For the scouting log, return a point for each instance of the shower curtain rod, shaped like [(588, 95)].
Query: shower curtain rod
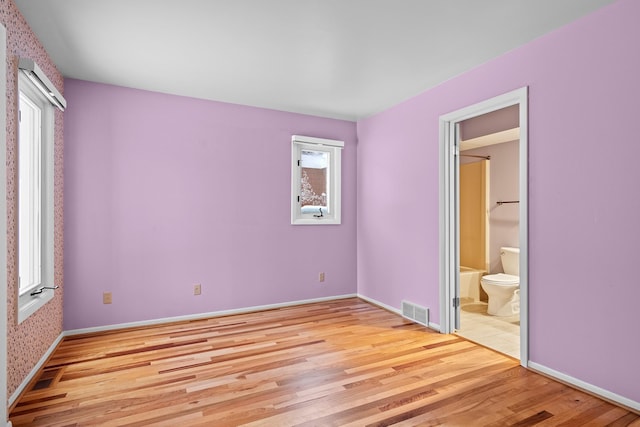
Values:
[(477, 157)]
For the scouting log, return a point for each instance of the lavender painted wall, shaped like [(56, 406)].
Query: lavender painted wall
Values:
[(583, 197), (162, 192)]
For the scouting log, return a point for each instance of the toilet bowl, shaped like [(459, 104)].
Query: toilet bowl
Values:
[(503, 289), (503, 292)]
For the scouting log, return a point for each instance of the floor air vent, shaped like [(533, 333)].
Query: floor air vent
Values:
[(416, 313)]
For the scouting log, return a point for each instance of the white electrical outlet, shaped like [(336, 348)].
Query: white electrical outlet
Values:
[(321, 277), (197, 289)]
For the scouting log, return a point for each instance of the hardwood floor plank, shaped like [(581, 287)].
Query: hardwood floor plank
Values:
[(625, 420), (533, 419), (337, 363)]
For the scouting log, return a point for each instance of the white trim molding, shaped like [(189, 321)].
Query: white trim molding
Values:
[(203, 315), (584, 386), (448, 216), (381, 304), (32, 299), (434, 326), (330, 150), (3, 227), (42, 82)]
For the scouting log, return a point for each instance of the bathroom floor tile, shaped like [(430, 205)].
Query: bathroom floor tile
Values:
[(499, 333)]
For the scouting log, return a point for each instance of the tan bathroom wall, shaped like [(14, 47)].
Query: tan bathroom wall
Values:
[(503, 220), (474, 179)]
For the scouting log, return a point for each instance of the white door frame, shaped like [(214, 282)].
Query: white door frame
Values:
[(448, 223), (3, 226)]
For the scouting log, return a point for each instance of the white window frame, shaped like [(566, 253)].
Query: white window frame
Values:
[(29, 303), (334, 148)]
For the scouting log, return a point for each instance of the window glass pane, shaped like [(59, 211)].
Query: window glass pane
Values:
[(314, 177), (29, 194)]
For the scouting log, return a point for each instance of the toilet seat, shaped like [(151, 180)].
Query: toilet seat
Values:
[(500, 279)]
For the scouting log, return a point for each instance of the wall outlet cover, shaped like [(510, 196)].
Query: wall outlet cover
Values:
[(107, 298)]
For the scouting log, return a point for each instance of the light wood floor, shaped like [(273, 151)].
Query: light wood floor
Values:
[(341, 363)]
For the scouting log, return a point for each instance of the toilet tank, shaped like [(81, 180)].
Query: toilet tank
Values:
[(510, 258)]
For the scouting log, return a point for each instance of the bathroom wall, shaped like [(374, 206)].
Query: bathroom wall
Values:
[(163, 192), (489, 123), (474, 182), (28, 342), (583, 233), (503, 186)]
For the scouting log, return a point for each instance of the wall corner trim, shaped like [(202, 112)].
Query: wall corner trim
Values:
[(584, 386)]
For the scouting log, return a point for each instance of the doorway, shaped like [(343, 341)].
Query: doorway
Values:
[(489, 225), (451, 149)]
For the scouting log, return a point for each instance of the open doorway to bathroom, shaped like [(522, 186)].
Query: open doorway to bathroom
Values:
[(488, 229), (483, 212)]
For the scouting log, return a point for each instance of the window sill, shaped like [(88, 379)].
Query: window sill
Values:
[(316, 221), (30, 304)]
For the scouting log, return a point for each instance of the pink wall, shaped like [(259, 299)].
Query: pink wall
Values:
[(162, 192), (583, 195), (28, 341)]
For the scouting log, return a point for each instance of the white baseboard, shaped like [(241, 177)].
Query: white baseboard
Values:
[(434, 326), (202, 315), (34, 371), (598, 391), (381, 304)]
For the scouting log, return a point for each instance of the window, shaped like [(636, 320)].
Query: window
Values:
[(35, 197), (315, 180), (30, 193)]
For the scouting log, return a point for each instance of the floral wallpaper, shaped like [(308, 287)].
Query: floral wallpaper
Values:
[(29, 341)]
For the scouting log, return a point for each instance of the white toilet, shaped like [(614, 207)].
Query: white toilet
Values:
[(503, 289)]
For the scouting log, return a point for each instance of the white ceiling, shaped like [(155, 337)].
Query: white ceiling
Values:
[(335, 58)]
